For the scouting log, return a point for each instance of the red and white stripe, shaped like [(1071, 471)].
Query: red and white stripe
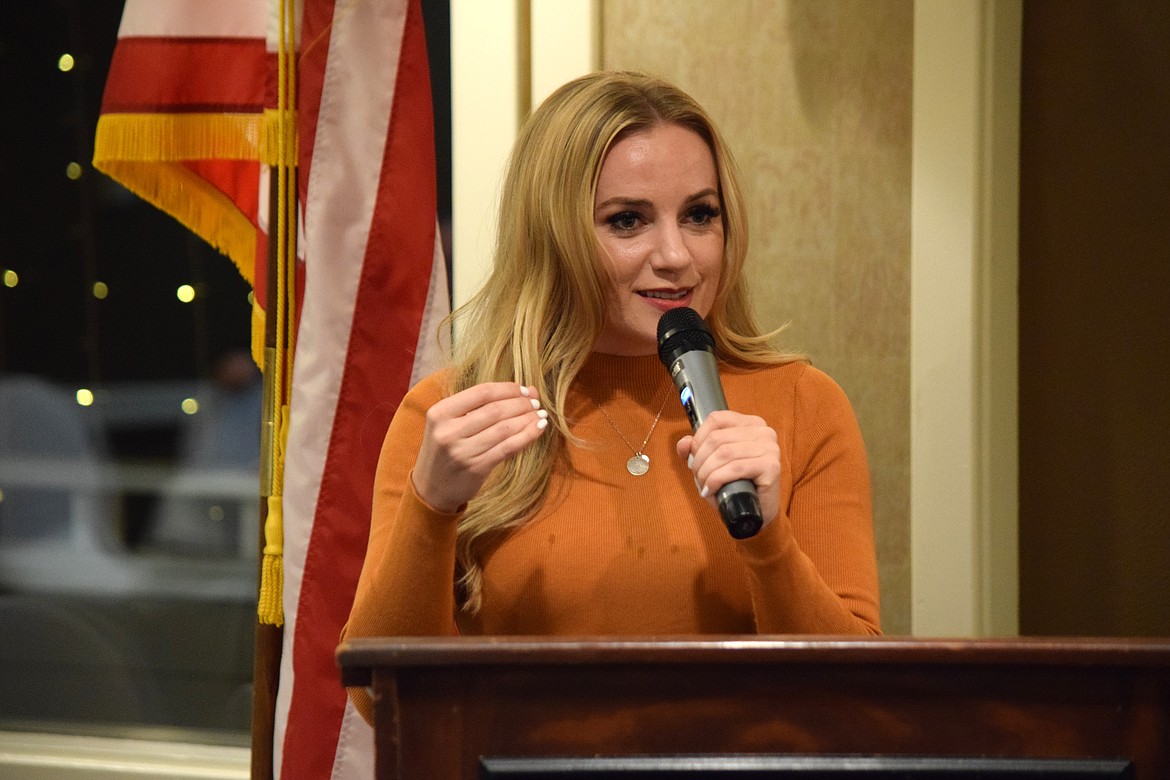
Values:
[(375, 285)]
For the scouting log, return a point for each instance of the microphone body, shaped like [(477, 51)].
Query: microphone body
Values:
[(687, 349)]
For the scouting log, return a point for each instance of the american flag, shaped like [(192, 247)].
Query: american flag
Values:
[(191, 80)]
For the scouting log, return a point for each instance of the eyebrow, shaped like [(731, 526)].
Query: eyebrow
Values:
[(642, 202)]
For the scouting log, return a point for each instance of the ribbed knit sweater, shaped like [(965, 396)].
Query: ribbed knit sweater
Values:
[(611, 554)]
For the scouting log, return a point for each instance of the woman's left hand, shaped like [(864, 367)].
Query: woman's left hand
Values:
[(730, 446)]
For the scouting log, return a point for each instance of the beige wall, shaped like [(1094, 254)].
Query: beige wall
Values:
[(815, 101)]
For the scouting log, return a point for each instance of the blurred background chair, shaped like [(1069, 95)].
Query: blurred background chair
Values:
[(53, 505)]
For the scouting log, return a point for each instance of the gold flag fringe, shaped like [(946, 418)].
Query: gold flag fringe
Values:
[(145, 152)]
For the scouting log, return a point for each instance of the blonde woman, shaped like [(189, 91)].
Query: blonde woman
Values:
[(549, 481)]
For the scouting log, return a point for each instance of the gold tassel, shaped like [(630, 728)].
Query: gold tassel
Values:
[(270, 608), (279, 151)]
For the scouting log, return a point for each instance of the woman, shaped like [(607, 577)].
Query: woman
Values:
[(549, 482)]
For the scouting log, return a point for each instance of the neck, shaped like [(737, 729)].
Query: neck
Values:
[(640, 377)]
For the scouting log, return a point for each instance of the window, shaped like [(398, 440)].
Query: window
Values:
[(129, 424)]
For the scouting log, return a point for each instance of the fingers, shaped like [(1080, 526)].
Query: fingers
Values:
[(480, 418), (468, 434), (731, 446)]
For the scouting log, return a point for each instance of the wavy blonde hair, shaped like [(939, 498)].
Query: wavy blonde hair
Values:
[(545, 299)]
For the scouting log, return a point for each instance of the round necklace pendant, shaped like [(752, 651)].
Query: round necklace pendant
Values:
[(638, 465)]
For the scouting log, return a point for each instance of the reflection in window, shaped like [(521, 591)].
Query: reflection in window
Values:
[(129, 425)]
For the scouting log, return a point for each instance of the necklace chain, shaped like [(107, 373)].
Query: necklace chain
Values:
[(639, 464)]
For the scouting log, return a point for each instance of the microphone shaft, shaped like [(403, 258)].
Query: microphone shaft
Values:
[(696, 376)]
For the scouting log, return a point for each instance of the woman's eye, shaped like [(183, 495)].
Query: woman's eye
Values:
[(624, 220), (703, 214)]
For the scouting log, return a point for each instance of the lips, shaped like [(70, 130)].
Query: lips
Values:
[(665, 295), (665, 300)]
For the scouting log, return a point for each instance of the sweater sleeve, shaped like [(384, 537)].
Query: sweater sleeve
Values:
[(813, 569), (406, 587)]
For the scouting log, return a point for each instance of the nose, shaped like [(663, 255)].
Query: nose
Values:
[(671, 252)]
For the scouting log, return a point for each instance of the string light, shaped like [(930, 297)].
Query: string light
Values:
[(84, 397), (65, 63), (185, 293), (189, 406), (100, 290), (73, 171), (11, 278)]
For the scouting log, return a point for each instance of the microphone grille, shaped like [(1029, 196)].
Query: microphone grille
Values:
[(682, 330)]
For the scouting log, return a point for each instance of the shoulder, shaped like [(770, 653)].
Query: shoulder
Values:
[(774, 380), (796, 387), (409, 417), (430, 388), (424, 394)]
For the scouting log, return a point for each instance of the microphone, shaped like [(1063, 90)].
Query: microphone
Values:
[(687, 349)]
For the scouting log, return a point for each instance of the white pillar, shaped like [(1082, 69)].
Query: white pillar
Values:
[(964, 262)]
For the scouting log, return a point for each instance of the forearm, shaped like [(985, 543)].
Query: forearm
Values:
[(409, 591), (791, 596), (813, 569)]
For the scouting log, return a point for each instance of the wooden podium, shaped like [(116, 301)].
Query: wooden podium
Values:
[(733, 707)]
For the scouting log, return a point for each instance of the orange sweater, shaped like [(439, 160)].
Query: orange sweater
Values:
[(614, 554)]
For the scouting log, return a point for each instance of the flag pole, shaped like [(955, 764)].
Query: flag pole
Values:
[(278, 357)]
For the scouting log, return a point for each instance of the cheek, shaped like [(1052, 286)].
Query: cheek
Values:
[(711, 269), (710, 261), (622, 264)]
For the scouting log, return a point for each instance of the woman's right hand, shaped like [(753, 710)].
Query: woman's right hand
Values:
[(470, 433)]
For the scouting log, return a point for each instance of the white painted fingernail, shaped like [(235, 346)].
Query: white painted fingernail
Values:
[(691, 463), (523, 391), (541, 424), (534, 402), (703, 492), (541, 413)]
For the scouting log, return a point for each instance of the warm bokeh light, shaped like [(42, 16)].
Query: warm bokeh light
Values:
[(100, 290), (65, 63), (85, 397), (185, 293), (73, 171), (11, 278), (189, 406)]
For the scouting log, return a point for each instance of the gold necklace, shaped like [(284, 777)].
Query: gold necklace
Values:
[(639, 463)]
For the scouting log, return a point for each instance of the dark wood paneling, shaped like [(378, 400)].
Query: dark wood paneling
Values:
[(1095, 318)]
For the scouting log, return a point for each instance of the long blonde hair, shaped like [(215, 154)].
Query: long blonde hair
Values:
[(544, 302)]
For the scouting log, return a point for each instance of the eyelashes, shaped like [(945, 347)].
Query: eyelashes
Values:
[(624, 221), (629, 220), (704, 213)]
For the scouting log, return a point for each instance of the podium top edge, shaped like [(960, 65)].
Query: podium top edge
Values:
[(730, 650)]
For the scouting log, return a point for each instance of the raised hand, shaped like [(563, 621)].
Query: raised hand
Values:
[(470, 433)]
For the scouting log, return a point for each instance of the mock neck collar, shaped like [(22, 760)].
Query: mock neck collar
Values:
[(641, 378)]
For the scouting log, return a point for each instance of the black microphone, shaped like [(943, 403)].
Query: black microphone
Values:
[(687, 349)]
